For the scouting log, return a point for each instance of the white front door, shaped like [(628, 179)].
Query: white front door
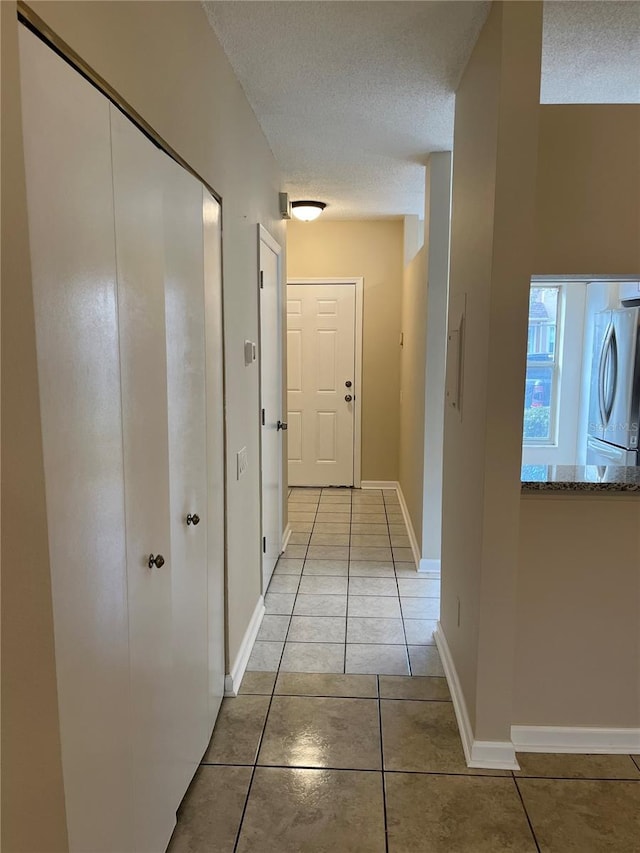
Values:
[(321, 383), (271, 397)]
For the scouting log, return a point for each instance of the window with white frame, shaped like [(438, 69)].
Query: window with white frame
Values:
[(543, 360)]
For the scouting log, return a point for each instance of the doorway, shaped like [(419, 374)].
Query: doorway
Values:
[(324, 372), (272, 425)]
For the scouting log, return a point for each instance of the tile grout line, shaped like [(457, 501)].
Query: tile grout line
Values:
[(304, 560), (255, 764), (286, 637), (313, 527), (615, 779), (346, 609), (526, 813), (395, 574), (382, 777), (332, 769), (290, 615), (334, 696), (340, 643), (404, 627)]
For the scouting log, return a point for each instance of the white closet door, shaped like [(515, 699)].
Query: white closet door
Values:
[(185, 323), (70, 203), (211, 217), (138, 194)]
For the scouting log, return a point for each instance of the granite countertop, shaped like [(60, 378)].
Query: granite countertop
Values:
[(580, 478)]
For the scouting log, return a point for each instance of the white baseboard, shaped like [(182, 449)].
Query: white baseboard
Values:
[(575, 739), (493, 755), (490, 755), (391, 485), (233, 680), (285, 538), (431, 566), (407, 520)]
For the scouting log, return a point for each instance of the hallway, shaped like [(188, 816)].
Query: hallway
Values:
[(344, 737), (345, 595)]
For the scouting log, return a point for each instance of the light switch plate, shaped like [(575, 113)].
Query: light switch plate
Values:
[(242, 461)]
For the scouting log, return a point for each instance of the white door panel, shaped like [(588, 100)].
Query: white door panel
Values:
[(211, 222), (295, 436), (320, 361), (138, 195), (271, 396), (185, 325), (70, 204), (294, 359), (326, 437)]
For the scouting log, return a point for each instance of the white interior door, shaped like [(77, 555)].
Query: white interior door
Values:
[(138, 195), (70, 204), (321, 383), (185, 333), (271, 396)]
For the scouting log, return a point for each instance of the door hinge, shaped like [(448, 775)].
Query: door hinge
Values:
[(264, 544), (261, 278), (263, 417)]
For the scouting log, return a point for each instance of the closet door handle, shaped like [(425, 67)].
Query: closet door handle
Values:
[(281, 425), (193, 519), (158, 561)]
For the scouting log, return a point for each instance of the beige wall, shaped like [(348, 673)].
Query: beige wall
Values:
[(33, 811), (588, 190), (424, 311), (494, 164), (163, 58), (578, 636), (412, 384), (372, 249)]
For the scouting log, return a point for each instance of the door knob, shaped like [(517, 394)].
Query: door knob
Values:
[(348, 383), (348, 398), (158, 561), (282, 425), (193, 519)]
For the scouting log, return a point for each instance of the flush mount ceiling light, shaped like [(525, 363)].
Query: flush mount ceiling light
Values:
[(307, 210)]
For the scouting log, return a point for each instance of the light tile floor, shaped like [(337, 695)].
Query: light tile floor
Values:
[(368, 762), (345, 596)]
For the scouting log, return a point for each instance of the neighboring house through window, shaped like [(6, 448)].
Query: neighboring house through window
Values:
[(553, 379)]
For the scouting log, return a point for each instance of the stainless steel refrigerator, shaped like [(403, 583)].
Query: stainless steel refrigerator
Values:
[(614, 403)]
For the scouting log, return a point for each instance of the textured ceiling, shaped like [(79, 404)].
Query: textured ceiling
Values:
[(352, 96), (591, 53)]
